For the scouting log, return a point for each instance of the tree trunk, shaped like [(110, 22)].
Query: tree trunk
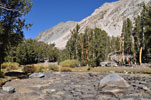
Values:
[(134, 58), (0, 66), (122, 49), (140, 56), (81, 46), (1, 62), (86, 54)]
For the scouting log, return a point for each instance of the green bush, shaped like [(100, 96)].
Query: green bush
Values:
[(70, 63), (92, 63), (53, 67), (10, 66), (29, 69)]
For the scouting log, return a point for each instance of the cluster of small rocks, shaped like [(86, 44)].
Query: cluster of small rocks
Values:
[(10, 89), (80, 86)]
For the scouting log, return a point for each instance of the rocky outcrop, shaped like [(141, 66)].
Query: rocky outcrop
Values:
[(108, 17), (58, 34)]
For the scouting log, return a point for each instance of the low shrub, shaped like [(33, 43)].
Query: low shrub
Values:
[(89, 68), (53, 67), (1, 82), (1, 74), (122, 70), (66, 69), (70, 63), (39, 68), (10, 66), (29, 69), (92, 63)]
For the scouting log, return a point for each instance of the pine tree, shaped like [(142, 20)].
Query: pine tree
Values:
[(12, 22), (137, 38), (142, 35), (127, 46), (128, 37), (146, 21), (73, 44)]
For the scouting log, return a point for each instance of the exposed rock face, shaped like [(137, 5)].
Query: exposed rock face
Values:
[(58, 34), (108, 17)]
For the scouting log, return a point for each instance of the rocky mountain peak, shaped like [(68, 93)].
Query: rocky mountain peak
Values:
[(108, 17)]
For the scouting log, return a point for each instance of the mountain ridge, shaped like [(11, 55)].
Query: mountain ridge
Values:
[(108, 17)]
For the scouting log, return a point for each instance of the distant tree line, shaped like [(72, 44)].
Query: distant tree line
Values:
[(31, 51)]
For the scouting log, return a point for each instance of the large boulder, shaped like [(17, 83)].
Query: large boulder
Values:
[(37, 75), (114, 80), (114, 85), (8, 89)]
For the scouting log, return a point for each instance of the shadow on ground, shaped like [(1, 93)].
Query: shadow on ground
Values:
[(19, 75)]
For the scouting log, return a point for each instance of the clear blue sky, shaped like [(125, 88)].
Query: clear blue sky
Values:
[(47, 13)]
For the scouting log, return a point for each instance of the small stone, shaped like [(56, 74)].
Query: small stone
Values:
[(9, 89), (146, 88), (57, 73), (49, 91), (53, 90), (37, 75)]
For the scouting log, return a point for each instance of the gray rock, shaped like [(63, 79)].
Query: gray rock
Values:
[(37, 75), (1, 94), (9, 89), (114, 80), (103, 64)]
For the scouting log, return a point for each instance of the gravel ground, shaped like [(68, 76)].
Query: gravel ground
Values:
[(75, 86)]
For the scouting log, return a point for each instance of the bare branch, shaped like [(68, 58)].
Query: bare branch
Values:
[(2, 7)]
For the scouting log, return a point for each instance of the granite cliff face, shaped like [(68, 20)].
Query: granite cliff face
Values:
[(58, 34), (108, 17)]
